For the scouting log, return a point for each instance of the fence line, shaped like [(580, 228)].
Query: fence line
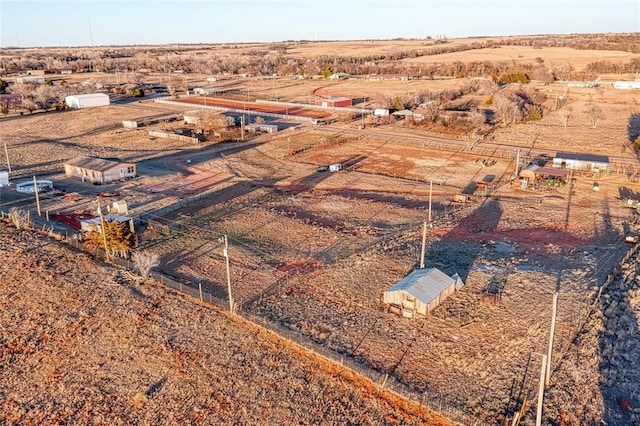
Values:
[(435, 402), (237, 111), (312, 106)]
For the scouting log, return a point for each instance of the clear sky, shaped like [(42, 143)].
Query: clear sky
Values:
[(26, 23)]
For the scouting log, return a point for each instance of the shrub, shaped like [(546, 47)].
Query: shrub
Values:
[(534, 113), (138, 93), (144, 261), (119, 237), (514, 77), (20, 218)]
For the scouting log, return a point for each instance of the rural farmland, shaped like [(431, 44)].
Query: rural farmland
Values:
[(297, 218)]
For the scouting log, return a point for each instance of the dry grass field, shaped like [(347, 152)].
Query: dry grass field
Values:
[(85, 344), (312, 252), (552, 56)]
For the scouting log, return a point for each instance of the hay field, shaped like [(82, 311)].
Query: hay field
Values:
[(578, 58)]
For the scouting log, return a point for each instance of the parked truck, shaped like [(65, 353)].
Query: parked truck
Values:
[(335, 167)]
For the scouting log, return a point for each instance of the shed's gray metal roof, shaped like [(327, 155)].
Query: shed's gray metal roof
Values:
[(424, 284), (90, 95), (93, 163), (590, 158)]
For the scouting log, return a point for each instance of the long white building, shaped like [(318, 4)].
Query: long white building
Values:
[(86, 101)]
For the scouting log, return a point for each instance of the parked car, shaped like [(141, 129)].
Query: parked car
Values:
[(322, 168)]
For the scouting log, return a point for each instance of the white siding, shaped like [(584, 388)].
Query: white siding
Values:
[(86, 101)]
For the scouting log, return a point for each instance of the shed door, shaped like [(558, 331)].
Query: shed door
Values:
[(121, 172)]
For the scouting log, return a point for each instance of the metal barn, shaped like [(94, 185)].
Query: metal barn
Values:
[(420, 292), (86, 101), (335, 102), (579, 161)]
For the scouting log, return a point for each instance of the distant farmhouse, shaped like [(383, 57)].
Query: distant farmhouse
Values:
[(338, 76), (99, 170)]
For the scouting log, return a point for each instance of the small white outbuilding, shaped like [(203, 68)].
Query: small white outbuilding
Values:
[(420, 292), (87, 101)]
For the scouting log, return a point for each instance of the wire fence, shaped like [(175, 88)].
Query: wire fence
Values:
[(432, 400)]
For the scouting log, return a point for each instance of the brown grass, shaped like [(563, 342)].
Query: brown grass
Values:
[(83, 343)]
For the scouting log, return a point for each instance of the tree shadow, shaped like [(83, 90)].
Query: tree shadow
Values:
[(633, 129), (453, 253)]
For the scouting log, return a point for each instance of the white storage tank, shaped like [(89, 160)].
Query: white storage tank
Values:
[(86, 101)]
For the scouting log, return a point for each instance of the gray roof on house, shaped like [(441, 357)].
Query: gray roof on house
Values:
[(424, 284), (93, 163)]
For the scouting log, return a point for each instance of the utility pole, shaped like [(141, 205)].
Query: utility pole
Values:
[(551, 334), (424, 244), (35, 189), (242, 127), (517, 162), (225, 253), (104, 232), (6, 153), (541, 391), (430, 192)]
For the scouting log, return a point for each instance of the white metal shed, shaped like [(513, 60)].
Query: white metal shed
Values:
[(86, 101), (421, 291)]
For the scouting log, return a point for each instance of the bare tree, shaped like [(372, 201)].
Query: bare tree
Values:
[(144, 261), (20, 218), (506, 108), (214, 121), (594, 112), (174, 83), (565, 114), (5, 105)]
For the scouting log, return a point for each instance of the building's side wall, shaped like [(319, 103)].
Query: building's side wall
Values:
[(113, 174), (79, 172), (395, 297)]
